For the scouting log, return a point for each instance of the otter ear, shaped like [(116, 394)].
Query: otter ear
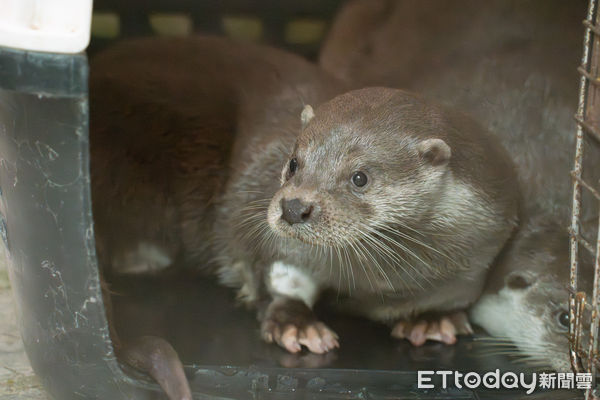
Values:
[(307, 114), (435, 151), (519, 281)]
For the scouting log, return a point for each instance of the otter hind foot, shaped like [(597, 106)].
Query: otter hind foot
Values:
[(443, 329), (291, 324)]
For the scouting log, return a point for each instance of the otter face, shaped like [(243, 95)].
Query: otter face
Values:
[(529, 301), (526, 313), (349, 177)]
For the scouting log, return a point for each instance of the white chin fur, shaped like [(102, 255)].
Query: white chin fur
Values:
[(508, 315)]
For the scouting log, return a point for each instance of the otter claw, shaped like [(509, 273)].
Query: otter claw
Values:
[(291, 324), (443, 330), (315, 336), (318, 338)]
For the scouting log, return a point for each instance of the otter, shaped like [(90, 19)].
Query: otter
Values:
[(526, 297), (511, 65), (165, 116), (513, 69), (396, 203)]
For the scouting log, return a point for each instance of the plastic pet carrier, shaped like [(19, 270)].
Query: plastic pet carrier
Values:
[(46, 222)]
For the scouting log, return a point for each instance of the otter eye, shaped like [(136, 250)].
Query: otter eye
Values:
[(359, 179), (563, 319), (293, 167)]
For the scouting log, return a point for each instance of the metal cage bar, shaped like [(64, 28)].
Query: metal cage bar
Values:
[(582, 358)]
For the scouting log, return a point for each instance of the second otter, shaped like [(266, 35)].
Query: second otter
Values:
[(526, 298)]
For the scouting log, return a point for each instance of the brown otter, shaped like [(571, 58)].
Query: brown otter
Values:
[(511, 68), (385, 198), (398, 204), (526, 298), (165, 115), (511, 64)]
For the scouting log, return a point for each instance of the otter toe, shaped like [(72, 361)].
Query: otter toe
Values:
[(289, 340), (460, 320), (444, 329), (399, 330), (447, 331), (434, 332), (291, 324), (316, 337), (417, 335)]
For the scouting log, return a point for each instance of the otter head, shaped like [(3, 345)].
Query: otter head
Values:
[(368, 160), (527, 299)]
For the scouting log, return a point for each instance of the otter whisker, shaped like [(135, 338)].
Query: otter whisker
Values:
[(341, 268), (360, 255), (247, 222), (349, 263), (408, 249), (362, 251), (251, 192), (346, 265), (395, 257), (414, 240), (253, 231), (253, 211), (370, 241), (385, 251), (330, 262), (438, 272), (382, 251), (264, 233)]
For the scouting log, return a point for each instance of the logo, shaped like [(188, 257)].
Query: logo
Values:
[(505, 380)]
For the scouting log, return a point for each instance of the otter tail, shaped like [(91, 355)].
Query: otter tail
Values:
[(159, 359)]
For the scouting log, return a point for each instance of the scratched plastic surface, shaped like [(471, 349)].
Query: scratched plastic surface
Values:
[(46, 222), (204, 324)]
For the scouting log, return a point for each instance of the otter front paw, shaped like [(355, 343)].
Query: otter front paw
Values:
[(291, 324), (442, 329)]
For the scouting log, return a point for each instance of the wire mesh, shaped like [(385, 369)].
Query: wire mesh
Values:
[(584, 339)]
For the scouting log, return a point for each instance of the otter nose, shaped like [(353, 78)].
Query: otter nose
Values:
[(295, 211)]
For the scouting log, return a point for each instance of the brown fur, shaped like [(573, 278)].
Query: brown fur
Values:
[(189, 138), (511, 64), (167, 116), (164, 117), (377, 130)]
